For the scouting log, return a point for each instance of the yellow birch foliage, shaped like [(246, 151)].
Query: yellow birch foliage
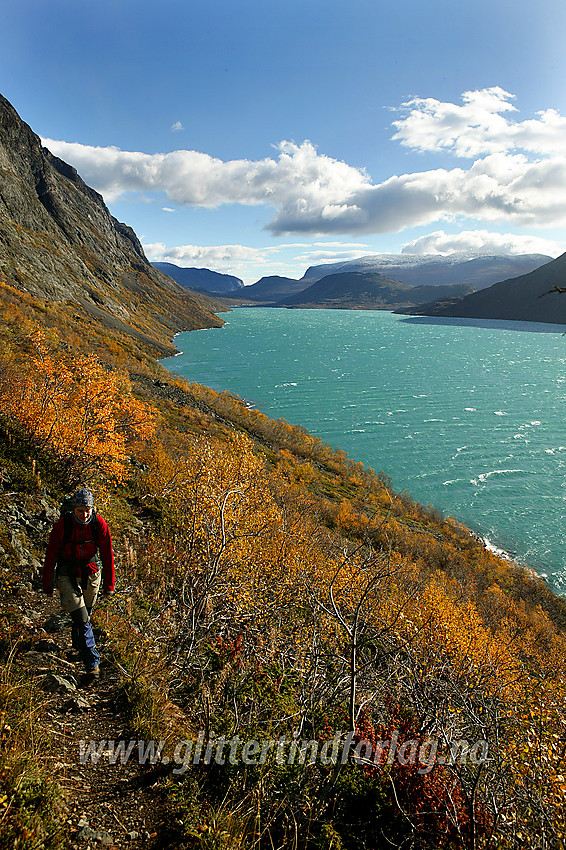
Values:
[(225, 526), (452, 632), (84, 413)]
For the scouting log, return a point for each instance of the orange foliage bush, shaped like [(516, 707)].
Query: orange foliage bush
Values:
[(84, 413)]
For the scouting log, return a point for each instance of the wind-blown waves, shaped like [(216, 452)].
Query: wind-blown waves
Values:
[(469, 419)]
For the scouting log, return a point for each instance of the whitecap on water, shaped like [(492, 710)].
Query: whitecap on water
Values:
[(496, 551), (484, 476)]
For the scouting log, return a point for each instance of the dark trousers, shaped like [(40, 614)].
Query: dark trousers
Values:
[(78, 602)]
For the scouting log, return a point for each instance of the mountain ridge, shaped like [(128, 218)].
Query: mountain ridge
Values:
[(414, 270), (58, 241), (200, 278), (524, 298), (271, 288), (418, 269), (368, 291)]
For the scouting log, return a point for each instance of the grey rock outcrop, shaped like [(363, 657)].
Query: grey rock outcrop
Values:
[(59, 242)]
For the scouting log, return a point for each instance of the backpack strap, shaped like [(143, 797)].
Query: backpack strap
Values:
[(67, 528), (95, 526)]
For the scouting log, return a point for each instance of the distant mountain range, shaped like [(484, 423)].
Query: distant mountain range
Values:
[(201, 279), (434, 277), (368, 291), (272, 289), (524, 298), (419, 269)]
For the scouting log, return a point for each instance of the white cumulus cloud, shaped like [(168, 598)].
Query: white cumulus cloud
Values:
[(205, 256), (177, 126), (243, 261), (477, 127), (515, 172), (299, 175), (481, 241)]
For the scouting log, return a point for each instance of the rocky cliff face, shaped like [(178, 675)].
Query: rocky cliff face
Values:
[(59, 242)]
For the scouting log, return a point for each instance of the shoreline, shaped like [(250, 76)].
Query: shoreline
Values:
[(493, 545)]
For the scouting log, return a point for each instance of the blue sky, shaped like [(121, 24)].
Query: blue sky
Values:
[(260, 138)]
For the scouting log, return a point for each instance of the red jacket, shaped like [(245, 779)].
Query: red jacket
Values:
[(80, 551)]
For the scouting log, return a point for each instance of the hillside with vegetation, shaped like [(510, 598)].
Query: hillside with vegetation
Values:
[(320, 661), (534, 297), (369, 291), (269, 589)]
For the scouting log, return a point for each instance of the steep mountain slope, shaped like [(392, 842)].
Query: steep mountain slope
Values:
[(200, 278), (58, 241), (367, 291), (250, 555), (420, 269), (524, 298)]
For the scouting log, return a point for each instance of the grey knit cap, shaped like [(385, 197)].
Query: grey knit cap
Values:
[(83, 498)]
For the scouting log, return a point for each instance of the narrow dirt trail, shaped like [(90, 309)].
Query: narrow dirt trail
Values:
[(107, 804)]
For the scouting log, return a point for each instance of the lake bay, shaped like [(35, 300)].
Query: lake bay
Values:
[(466, 415)]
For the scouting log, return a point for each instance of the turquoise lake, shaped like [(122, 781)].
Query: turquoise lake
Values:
[(466, 415)]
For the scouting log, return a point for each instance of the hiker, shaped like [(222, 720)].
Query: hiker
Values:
[(74, 543)]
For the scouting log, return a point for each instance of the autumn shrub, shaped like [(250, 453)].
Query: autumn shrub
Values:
[(85, 414)]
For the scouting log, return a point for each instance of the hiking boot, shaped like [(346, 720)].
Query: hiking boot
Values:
[(91, 677)]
